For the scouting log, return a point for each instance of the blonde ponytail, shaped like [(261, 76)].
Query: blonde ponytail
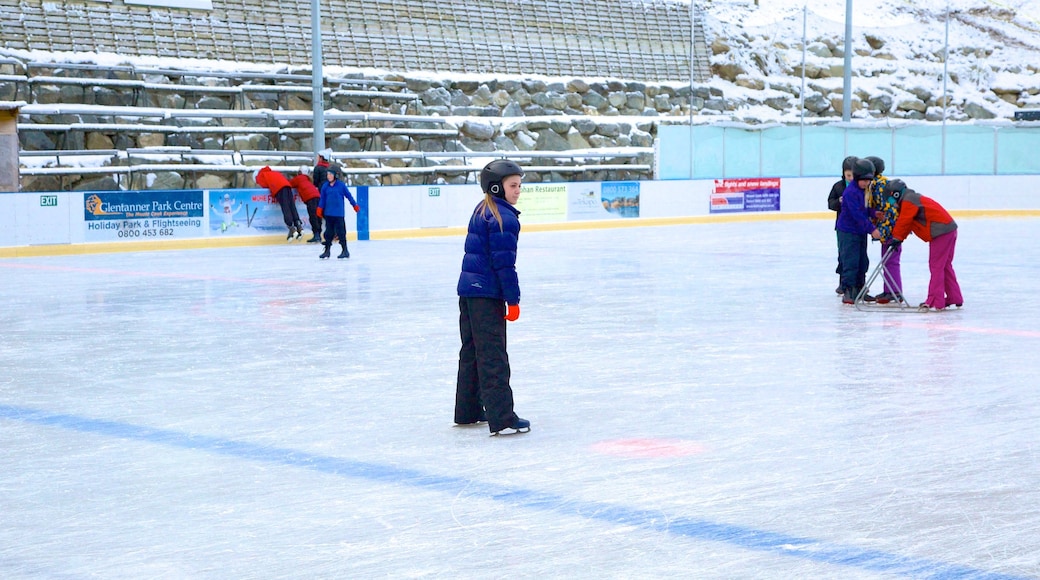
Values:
[(489, 204)]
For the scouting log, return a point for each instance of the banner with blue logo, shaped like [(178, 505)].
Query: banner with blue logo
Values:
[(126, 215)]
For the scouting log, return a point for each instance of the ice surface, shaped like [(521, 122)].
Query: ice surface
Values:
[(702, 406)]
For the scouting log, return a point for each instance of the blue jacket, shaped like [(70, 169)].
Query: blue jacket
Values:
[(332, 195), (854, 217), (489, 266)]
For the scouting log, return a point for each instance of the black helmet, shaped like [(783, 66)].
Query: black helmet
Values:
[(848, 163), (493, 173), (862, 169), (879, 165), (893, 189), (335, 170)]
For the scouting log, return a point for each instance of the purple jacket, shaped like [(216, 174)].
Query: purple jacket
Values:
[(854, 217)]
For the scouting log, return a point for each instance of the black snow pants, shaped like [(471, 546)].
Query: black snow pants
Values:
[(483, 380)]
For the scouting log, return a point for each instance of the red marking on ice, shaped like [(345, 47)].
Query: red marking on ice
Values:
[(648, 448), (977, 330)]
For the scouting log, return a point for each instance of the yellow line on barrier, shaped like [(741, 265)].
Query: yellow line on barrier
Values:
[(244, 241)]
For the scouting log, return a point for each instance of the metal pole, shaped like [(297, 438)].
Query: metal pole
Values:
[(801, 122), (846, 101), (317, 83), (946, 58), (693, 68)]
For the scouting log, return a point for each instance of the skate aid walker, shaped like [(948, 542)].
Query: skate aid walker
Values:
[(899, 304)]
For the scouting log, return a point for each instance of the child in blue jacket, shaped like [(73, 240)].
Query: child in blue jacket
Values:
[(489, 295), (332, 209)]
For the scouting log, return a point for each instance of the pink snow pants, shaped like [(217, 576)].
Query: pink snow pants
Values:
[(943, 289)]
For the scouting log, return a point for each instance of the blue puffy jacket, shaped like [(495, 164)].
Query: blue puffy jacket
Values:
[(489, 266), (332, 195)]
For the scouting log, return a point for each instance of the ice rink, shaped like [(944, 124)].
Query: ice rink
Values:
[(702, 406)]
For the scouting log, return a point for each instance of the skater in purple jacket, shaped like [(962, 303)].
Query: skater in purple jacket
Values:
[(853, 227)]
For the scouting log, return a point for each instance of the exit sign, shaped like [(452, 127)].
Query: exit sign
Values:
[(48, 201), (435, 192)]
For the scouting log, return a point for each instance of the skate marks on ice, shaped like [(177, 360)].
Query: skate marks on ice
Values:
[(616, 515)]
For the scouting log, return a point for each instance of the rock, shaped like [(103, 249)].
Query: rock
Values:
[(728, 71), (503, 143), (575, 140), (911, 105), (549, 140), (525, 141), (501, 99), (437, 97), (156, 140), (476, 144), (635, 100), (594, 100), (213, 181), (513, 109), (478, 129), (577, 86), (561, 126), (162, 180), (977, 111), (97, 140), (209, 102), (881, 103), (817, 103), (819, 49), (106, 183)]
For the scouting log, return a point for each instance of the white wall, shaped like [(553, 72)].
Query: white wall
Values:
[(58, 218)]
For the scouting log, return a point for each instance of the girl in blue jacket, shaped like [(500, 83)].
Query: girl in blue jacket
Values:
[(489, 295)]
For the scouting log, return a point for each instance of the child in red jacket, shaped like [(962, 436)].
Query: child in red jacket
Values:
[(281, 192), (925, 218), (309, 195)]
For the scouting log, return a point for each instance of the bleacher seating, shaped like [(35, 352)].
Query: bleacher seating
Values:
[(569, 37), (563, 37)]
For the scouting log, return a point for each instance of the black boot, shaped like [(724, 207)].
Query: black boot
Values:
[(316, 238), (344, 253), (328, 250)]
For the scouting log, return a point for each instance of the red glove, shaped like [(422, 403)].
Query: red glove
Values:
[(356, 208), (320, 212), (512, 312)]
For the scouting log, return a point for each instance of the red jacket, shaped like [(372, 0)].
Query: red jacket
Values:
[(303, 186), (923, 216), (272, 180)]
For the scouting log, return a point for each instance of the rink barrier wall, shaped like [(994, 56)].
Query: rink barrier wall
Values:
[(62, 223)]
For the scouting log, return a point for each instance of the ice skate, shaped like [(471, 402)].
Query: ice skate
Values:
[(328, 251), (886, 297), (518, 426), (343, 254)]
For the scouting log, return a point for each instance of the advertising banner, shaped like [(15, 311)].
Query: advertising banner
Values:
[(543, 203), (247, 212), (126, 215), (621, 198), (601, 201), (745, 195)]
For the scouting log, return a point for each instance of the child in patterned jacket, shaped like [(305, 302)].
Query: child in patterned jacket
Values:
[(885, 213)]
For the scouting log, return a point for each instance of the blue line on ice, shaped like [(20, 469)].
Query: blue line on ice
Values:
[(739, 536)]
